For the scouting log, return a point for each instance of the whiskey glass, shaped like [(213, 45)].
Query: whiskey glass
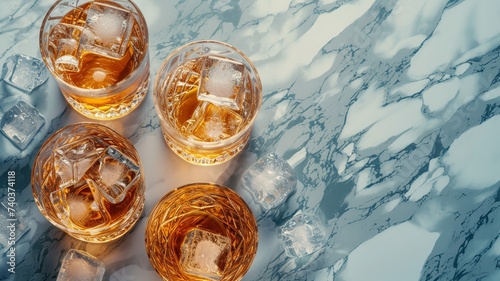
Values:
[(207, 95), (201, 231), (97, 51), (87, 180)]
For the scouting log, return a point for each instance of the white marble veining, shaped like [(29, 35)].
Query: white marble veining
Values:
[(388, 112)]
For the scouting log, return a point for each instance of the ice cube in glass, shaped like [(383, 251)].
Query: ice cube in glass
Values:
[(107, 30), (205, 254), (65, 39), (113, 174), (222, 82), (270, 181), (72, 160), (79, 206), (21, 123), (78, 265), (24, 72), (302, 235), (212, 123)]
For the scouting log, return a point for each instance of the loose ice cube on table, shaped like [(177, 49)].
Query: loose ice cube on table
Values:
[(107, 30), (80, 266), (205, 254), (212, 123), (72, 160), (21, 123), (222, 82), (24, 72), (79, 205), (270, 181), (302, 235), (113, 174)]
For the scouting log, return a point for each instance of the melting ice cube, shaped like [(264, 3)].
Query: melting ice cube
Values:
[(24, 72), (67, 55), (270, 181), (65, 39), (302, 235), (113, 175), (107, 30), (72, 160), (79, 206), (212, 123), (21, 123), (205, 254), (222, 82), (80, 266)]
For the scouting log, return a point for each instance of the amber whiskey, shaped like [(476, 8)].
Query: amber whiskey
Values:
[(201, 232)]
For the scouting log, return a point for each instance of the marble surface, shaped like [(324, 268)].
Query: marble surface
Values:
[(388, 112)]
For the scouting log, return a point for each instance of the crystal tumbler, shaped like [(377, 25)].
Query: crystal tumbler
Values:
[(97, 51), (201, 231), (87, 180), (207, 95)]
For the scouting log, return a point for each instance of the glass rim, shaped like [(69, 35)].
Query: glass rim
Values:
[(197, 143), (101, 91)]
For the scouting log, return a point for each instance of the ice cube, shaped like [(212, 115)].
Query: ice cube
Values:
[(107, 30), (24, 72), (72, 160), (21, 123), (113, 175), (79, 206), (67, 55), (270, 181), (65, 39), (302, 235), (205, 254), (80, 266), (212, 123), (222, 82)]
